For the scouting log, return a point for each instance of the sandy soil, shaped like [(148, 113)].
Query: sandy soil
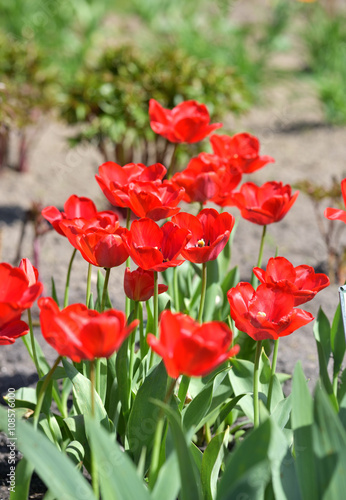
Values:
[(290, 127)]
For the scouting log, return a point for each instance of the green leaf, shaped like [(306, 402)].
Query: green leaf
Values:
[(329, 443), (247, 471), (190, 481), (118, 476), (302, 420), (167, 485), (145, 414), (198, 407), (322, 334), (337, 341), (211, 463), (53, 467), (82, 394)]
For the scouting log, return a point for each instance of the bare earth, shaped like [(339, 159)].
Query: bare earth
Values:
[(291, 128)]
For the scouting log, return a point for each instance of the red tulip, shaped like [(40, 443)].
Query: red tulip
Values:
[(139, 284), (155, 248), (335, 213), (114, 180), (267, 313), (301, 281), (20, 288), (265, 204), (209, 231), (205, 178), (187, 122), (98, 240), (154, 201), (75, 207), (189, 348), (241, 150), (81, 333)]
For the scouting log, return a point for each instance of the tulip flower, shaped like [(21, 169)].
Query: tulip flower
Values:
[(187, 122), (188, 348), (267, 313), (209, 231), (20, 288), (335, 213), (241, 151), (155, 248), (99, 240), (114, 180), (206, 178), (301, 281), (265, 204), (139, 284), (75, 207), (81, 333), (154, 201)]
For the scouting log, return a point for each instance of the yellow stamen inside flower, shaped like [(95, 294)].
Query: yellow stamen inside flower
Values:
[(201, 243), (262, 314)]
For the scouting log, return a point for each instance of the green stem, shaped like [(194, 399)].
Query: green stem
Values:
[(271, 382), (105, 288), (142, 341), (43, 391), (88, 290), (156, 313), (33, 346), (171, 167), (183, 388), (254, 280), (255, 383), (204, 287), (335, 385), (132, 349), (155, 457), (67, 285), (176, 289), (94, 474)]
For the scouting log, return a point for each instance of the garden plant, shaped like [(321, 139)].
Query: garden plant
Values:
[(177, 396)]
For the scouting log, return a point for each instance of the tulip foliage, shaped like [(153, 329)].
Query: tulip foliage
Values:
[(177, 396)]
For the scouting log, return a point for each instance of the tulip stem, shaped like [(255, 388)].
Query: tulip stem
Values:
[(155, 457), (255, 384), (271, 382), (88, 284), (176, 289), (33, 346), (94, 474), (43, 391), (171, 167), (254, 280), (156, 313), (183, 388), (203, 289), (105, 288), (127, 300), (132, 349), (67, 285)]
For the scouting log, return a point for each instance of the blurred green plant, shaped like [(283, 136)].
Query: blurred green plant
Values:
[(110, 99), (25, 94), (324, 34), (209, 30)]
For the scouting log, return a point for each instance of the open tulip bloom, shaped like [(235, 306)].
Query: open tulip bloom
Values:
[(301, 281), (19, 290), (187, 122), (163, 390), (188, 348)]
